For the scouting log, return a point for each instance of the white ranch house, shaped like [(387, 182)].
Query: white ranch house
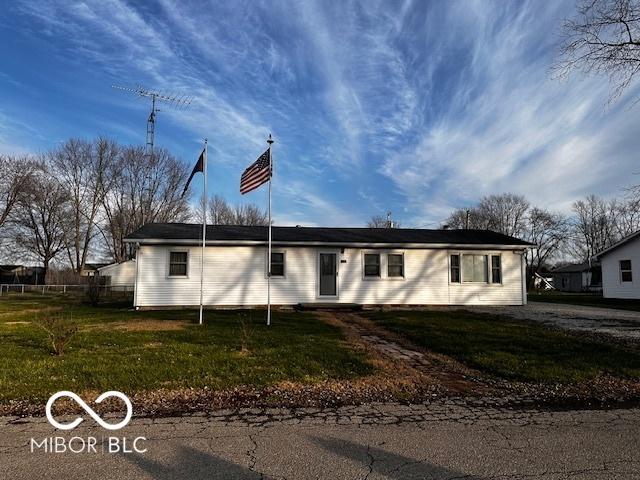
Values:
[(621, 268), (327, 265)]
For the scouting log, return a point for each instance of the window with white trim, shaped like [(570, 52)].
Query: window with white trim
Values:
[(395, 265), (277, 264), (178, 264), (625, 271), (474, 268), (372, 265), (455, 268), (496, 269)]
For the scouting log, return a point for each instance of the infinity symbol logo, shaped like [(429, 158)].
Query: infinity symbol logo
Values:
[(89, 410)]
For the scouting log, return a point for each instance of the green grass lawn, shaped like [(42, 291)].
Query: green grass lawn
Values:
[(119, 349), (511, 349), (585, 299)]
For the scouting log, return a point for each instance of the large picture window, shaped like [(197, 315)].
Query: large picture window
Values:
[(371, 264), (474, 268), (277, 264), (395, 265), (178, 263), (625, 271)]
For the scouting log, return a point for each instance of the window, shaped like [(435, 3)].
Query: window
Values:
[(455, 268), (395, 265), (496, 269), (277, 264), (625, 271), (371, 264), (474, 268), (178, 264)]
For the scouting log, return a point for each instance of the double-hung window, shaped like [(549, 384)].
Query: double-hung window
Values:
[(277, 264), (395, 265), (496, 269), (178, 264), (372, 265), (625, 271), (455, 268)]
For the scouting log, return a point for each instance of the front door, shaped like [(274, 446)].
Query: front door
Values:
[(328, 274)]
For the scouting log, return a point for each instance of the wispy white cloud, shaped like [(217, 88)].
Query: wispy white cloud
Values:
[(509, 126), (416, 107)]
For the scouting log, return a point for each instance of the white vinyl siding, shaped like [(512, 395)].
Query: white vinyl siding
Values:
[(235, 276), (120, 274), (613, 285)]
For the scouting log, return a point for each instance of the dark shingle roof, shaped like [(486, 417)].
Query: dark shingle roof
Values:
[(168, 232), (575, 267)]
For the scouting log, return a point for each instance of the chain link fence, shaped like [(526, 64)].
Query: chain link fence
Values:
[(21, 288)]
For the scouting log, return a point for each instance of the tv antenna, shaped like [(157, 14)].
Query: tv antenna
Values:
[(177, 101)]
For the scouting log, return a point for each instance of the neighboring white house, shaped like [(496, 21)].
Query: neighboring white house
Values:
[(120, 274), (621, 268), (327, 265)]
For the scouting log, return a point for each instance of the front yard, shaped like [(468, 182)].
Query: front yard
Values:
[(119, 349), (512, 349), (171, 365)]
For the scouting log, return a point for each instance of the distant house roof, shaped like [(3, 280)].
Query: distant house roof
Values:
[(184, 233), (94, 266), (575, 267), (622, 242)]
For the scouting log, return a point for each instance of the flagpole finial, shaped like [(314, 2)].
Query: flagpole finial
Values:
[(270, 140)]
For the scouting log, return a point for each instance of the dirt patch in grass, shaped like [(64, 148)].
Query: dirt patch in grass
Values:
[(34, 311), (436, 373), (148, 325)]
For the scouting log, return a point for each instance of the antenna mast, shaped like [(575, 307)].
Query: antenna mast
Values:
[(177, 101)]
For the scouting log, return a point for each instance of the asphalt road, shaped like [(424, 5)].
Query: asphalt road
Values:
[(441, 441)]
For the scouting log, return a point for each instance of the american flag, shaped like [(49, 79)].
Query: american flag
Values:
[(256, 174)]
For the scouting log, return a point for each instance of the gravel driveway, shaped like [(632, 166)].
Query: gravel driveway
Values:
[(623, 324)]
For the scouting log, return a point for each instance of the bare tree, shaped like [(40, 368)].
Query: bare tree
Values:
[(378, 221), (221, 212), (549, 232), (41, 217), (626, 214), (146, 189), (465, 218), (603, 39), (250, 214), (593, 228), (82, 170), (16, 172), (504, 213)]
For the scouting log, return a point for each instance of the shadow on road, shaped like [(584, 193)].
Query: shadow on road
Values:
[(387, 464), (193, 464)]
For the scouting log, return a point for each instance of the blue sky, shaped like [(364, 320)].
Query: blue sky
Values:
[(413, 106)]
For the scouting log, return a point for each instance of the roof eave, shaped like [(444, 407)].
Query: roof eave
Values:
[(164, 241), (616, 245)]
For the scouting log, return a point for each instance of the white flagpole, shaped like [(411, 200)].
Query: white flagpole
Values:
[(270, 142), (204, 227)]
